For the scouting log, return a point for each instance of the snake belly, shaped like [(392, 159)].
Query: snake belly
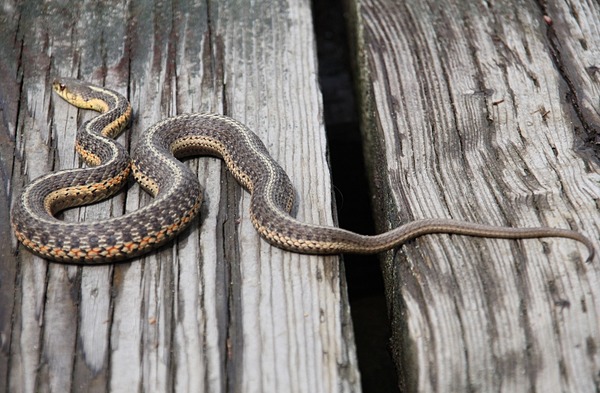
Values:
[(177, 198)]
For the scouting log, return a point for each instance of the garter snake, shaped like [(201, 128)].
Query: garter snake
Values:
[(177, 195)]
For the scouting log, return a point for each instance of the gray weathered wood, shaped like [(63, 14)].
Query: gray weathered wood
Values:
[(484, 111), (219, 309)]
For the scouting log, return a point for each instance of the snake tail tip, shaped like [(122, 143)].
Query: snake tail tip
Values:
[(591, 255)]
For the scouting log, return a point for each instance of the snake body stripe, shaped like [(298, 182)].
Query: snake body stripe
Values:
[(177, 196)]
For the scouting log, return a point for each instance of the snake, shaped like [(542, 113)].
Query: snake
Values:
[(156, 165)]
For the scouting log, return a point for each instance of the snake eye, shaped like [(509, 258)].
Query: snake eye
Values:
[(62, 86)]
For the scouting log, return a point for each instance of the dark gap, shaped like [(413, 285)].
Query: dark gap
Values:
[(363, 273)]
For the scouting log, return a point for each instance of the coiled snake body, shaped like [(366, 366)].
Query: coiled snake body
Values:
[(177, 195)]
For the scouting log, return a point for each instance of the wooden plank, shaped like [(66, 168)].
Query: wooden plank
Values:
[(219, 309), (8, 120), (484, 111)]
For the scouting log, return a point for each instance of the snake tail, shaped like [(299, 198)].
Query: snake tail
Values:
[(272, 193)]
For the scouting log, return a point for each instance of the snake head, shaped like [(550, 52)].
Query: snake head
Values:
[(64, 86), (82, 94), (58, 86)]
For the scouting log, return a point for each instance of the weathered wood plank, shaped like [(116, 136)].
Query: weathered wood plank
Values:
[(218, 309), (8, 119), (467, 115)]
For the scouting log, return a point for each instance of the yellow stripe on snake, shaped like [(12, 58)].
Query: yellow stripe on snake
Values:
[(177, 195)]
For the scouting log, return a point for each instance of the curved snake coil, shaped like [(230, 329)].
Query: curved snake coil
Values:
[(177, 195)]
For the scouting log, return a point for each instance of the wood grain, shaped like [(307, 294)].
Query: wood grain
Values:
[(486, 112), (219, 309)]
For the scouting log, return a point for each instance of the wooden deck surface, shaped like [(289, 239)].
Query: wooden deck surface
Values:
[(219, 309), (486, 112), (481, 111)]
